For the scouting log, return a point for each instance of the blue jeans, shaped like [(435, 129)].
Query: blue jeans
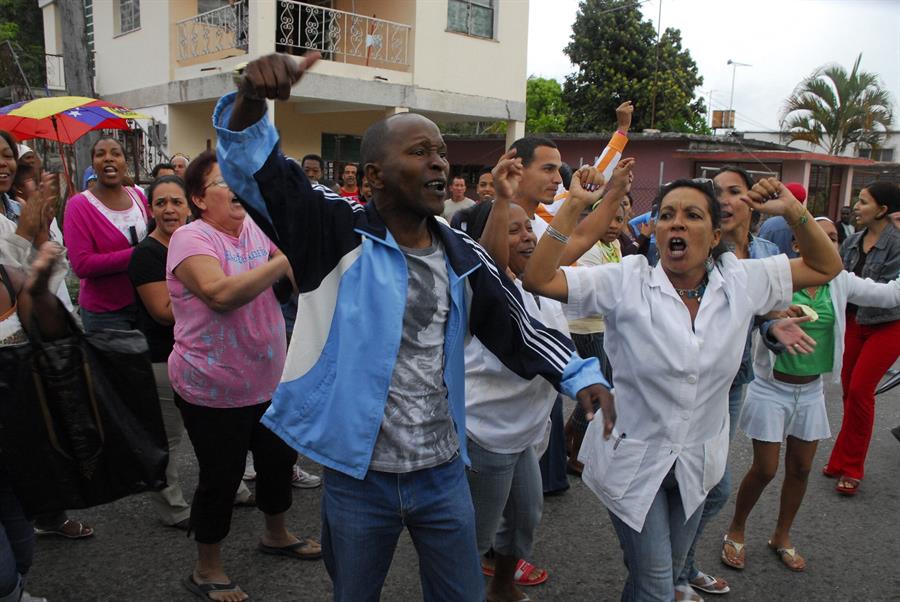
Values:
[(16, 543), (508, 498), (553, 462), (362, 521), (121, 319), (655, 556), (718, 495)]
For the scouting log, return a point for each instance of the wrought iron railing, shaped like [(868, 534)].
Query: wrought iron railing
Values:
[(56, 77), (213, 31), (342, 36)]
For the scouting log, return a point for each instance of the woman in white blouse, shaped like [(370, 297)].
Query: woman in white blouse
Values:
[(675, 335)]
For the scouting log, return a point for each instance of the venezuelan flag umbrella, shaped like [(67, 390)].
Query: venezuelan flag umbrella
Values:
[(63, 118)]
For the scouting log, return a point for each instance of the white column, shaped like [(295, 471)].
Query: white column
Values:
[(262, 25), (846, 186), (514, 131)]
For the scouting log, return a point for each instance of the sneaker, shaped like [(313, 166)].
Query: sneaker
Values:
[(304, 480), (249, 470), (26, 597)]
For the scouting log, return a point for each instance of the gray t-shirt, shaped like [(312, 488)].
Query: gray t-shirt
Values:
[(417, 431)]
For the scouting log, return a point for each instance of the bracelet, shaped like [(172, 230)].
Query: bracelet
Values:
[(801, 221), (557, 235)]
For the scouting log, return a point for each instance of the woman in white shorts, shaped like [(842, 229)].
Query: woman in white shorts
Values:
[(786, 402)]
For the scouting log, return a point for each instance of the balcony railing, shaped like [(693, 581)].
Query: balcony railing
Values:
[(342, 36), (212, 32), (56, 77)]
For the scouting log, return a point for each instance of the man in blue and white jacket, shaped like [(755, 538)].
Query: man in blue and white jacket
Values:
[(373, 386)]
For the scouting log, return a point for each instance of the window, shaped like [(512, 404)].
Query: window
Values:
[(472, 17), (128, 16), (881, 154), (887, 154)]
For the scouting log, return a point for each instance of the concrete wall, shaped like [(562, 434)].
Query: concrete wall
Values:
[(301, 133), (470, 65), (136, 59), (189, 127)]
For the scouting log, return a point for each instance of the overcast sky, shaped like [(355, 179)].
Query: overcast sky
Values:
[(783, 40)]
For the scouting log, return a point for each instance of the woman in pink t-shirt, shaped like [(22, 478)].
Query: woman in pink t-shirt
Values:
[(101, 228), (227, 360)]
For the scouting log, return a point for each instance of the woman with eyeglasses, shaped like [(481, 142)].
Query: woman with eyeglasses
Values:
[(226, 362), (675, 334), (102, 226), (786, 403)]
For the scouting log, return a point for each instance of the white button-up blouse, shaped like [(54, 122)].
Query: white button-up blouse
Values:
[(671, 380)]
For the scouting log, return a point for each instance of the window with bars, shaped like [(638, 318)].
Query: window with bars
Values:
[(472, 17), (128, 16)]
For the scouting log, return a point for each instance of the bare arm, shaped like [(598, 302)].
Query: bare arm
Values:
[(36, 304), (591, 228), (543, 276), (819, 261), (203, 276), (155, 297), (507, 175)]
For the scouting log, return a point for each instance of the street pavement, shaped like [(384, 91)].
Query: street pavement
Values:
[(851, 544)]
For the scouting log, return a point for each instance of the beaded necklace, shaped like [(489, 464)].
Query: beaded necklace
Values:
[(693, 293)]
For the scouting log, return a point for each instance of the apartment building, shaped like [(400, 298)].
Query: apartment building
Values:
[(451, 60)]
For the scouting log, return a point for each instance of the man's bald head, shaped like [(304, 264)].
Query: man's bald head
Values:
[(378, 135)]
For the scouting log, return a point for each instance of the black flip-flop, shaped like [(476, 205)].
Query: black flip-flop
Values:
[(203, 590), (291, 550)]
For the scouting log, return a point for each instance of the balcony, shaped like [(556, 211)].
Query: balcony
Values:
[(214, 34), (342, 36), (56, 77)]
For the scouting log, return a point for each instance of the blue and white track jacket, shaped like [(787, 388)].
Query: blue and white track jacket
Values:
[(352, 278)]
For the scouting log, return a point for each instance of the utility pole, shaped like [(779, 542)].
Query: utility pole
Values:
[(734, 66), (656, 69), (78, 73)]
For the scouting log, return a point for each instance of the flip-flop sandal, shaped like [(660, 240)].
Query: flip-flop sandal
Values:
[(847, 486), (709, 584), (789, 558), (83, 530), (738, 561), (524, 569), (203, 590), (295, 550)]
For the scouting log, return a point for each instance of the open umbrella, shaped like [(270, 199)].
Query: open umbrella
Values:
[(63, 118)]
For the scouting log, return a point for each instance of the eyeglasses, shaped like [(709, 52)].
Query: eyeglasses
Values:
[(217, 183)]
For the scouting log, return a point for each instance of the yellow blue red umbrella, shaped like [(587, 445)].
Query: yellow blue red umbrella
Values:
[(63, 118)]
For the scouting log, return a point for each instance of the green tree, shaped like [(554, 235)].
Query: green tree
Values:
[(834, 109), (22, 24), (616, 56), (546, 110)]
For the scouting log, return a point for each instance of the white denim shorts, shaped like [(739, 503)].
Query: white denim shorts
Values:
[(775, 410)]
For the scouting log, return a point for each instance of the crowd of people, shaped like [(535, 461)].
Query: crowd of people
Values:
[(418, 344)]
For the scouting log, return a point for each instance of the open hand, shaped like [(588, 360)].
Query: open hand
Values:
[(42, 267), (787, 331), (272, 76), (507, 175), (591, 395)]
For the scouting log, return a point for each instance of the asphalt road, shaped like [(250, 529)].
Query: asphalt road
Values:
[(852, 545)]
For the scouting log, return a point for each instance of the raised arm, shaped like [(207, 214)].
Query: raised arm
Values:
[(494, 238), (203, 276), (591, 228), (543, 276), (819, 262)]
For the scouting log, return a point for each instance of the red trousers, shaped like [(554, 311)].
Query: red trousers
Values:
[(868, 352)]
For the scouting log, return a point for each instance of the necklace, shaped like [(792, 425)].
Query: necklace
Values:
[(693, 293)]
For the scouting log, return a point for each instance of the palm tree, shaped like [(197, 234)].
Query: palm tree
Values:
[(835, 109)]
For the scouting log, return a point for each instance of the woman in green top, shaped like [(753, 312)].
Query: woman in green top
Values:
[(787, 401)]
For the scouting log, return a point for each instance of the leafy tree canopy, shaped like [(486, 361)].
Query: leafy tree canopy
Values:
[(615, 53), (834, 109)]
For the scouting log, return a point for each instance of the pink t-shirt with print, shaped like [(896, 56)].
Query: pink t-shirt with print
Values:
[(224, 359)]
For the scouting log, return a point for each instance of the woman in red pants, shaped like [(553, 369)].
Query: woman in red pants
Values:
[(872, 340)]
